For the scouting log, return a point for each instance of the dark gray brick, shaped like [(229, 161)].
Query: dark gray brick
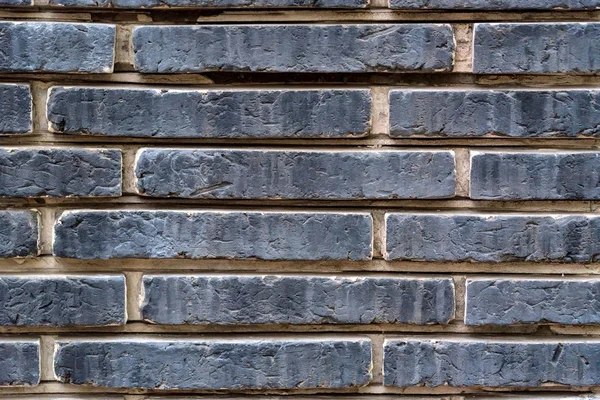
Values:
[(220, 234), (56, 47), (535, 176), (62, 300), (19, 231), (19, 362), (37, 172), (491, 363), (522, 301), (294, 48), (537, 48), (470, 237), (15, 108), (12, 3), (225, 300), (287, 174), (516, 113), (213, 3), (210, 114), (497, 4), (217, 364)]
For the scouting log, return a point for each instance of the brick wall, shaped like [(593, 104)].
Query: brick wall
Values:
[(244, 199)]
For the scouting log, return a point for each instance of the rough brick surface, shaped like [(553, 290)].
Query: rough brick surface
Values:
[(205, 234), (201, 300), (537, 48), (213, 3), (18, 233), (218, 364), (552, 238), (56, 47), (39, 172), (210, 114), (19, 362), (62, 301), (497, 4), (515, 113), (518, 301), (491, 363), (293, 48), (12, 3), (287, 174), (15, 108), (535, 176)]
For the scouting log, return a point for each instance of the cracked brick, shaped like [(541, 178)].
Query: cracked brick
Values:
[(212, 3), (19, 233), (19, 362), (16, 109), (545, 5)]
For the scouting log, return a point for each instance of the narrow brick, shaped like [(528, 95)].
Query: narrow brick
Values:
[(496, 238), (157, 113), (230, 300), (13, 3), (101, 234), (215, 364), (59, 172), (514, 113), (294, 48), (496, 4), (491, 363), (524, 301), (19, 362), (535, 176), (19, 231), (213, 3), (62, 300), (15, 108), (56, 47), (287, 174), (537, 48)]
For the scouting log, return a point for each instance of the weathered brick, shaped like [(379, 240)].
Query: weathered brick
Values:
[(19, 231), (62, 300), (56, 47), (292, 174), (294, 48), (210, 113), (215, 364), (535, 176), (497, 4), (201, 300), (516, 113), (497, 238), (537, 48), (59, 172), (522, 301), (19, 362), (15, 108), (100, 234), (213, 3), (12, 3), (491, 363)]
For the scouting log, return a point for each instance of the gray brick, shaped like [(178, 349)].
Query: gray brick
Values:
[(100, 234), (56, 47), (522, 301), (497, 238), (12, 3), (535, 176), (497, 4), (19, 362), (213, 3), (53, 172), (294, 48), (210, 113), (515, 113), (287, 174), (215, 364), (226, 300), (491, 363), (15, 108), (19, 231), (537, 48), (62, 300)]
